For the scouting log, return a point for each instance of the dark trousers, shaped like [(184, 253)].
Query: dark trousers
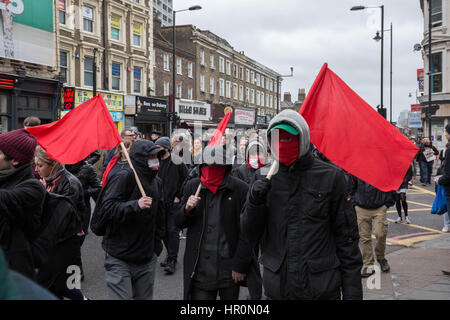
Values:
[(172, 237), (230, 293), (426, 170)]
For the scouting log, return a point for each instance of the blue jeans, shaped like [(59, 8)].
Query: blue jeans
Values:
[(426, 170), (172, 237)]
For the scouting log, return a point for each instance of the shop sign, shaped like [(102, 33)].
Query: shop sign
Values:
[(193, 110), (113, 101), (244, 117)]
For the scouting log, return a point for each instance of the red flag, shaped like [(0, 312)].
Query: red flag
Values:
[(350, 133), (83, 130), (218, 133)]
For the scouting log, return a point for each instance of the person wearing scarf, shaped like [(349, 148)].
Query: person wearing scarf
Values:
[(255, 158), (302, 218)]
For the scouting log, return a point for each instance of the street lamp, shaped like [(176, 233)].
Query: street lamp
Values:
[(192, 8), (278, 87), (378, 38), (356, 8)]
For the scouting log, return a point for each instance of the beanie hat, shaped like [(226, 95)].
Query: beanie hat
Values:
[(19, 145), (163, 142), (447, 128)]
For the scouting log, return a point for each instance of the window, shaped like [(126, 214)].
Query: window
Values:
[(166, 88), (267, 101), (115, 27), (221, 65), (235, 91), (228, 89), (262, 99), (258, 80), (228, 67), (88, 71), (211, 86), (258, 98), (211, 61), (241, 73), (252, 96), (88, 19), (202, 83), (271, 85), (179, 90), (247, 94), (115, 76), (166, 62), (267, 84), (62, 11), (179, 66), (154, 58), (235, 72), (202, 57), (190, 70), (190, 93), (221, 87), (137, 76), (262, 82), (136, 1), (436, 71), (271, 101), (252, 77), (137, 32), (63, 65), (247, 75), (241, 93), (436, 13)]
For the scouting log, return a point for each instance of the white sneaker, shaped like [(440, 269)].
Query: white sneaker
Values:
[(445, 229), (399, 220), (407, 220)]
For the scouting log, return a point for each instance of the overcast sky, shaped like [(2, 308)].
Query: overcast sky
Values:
[(305, 34)]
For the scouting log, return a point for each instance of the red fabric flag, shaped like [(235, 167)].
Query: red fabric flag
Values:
[(212, 177), (83, 130), (350, 133)]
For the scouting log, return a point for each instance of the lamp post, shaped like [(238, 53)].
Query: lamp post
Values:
[(278, 87), (94, 69), (174, 42), (355, 8)]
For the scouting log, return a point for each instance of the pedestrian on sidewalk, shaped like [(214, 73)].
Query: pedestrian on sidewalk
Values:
[(21, 200), (371, 207), (213, 229), (56, 179), (444, 180), (400, 196), (426, 156), (307, 225), (132, 225), (172, 176)]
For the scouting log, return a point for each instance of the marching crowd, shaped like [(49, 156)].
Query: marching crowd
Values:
[(308, 227)]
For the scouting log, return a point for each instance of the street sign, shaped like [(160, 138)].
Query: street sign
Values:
[(420, 79), (415, 107), (414, 120)]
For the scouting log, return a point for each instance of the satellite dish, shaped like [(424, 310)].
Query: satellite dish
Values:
[(417, 47)]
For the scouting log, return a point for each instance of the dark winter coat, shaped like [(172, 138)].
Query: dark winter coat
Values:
[(130, 233), (91, 188), (71, 187), (309, 233), (21, 205), (421, 157), (369, 197), (445, 179), (109, 155), (172, 176), (407, 178), (57, 245)]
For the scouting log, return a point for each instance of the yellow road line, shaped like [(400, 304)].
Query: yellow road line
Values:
[(423, 190), (409, 210), (410, 241), (419, 227), (420, 204)]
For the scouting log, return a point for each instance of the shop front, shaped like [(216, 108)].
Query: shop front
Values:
[(24, 97), (151, 115), (73, 97)]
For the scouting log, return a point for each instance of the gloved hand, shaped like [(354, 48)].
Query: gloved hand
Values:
[(258, 191)]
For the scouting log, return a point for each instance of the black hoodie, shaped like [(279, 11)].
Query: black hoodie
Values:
[(130, 233)]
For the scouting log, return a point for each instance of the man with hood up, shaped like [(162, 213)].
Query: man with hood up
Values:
[(309, 244), (255, 158), (213, 229), (132, 226)]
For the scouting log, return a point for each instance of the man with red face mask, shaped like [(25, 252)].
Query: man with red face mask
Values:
[(255, 158), (307, 226), (213, 229)]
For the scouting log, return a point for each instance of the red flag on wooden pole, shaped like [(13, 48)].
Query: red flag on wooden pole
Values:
[(81, 131), (351, 134)]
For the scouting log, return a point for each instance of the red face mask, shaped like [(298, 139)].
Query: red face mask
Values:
[(256, 164), (288, 147), (212, 177)]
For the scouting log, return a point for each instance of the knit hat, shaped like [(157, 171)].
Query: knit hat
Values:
[(163, 142), (447, 128), (18, 145)]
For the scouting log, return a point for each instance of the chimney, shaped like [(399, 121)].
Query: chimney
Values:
[(301, 94), (287, 97)]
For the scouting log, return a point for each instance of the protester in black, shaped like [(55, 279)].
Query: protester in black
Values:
[(172, 176)]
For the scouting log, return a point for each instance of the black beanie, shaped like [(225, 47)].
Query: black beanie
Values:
[(447, 128)]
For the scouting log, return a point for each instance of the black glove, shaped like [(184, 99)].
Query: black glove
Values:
[(258, 191)]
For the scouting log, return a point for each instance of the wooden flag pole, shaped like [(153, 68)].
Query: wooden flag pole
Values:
[(273, 167), (132, 168), (198, 189)]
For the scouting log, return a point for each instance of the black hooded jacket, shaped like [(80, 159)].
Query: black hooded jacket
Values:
[(21, 205), (130, 233)]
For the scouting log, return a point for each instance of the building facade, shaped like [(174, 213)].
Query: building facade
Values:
[(440, 62), (163, 11), (226, 77)]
